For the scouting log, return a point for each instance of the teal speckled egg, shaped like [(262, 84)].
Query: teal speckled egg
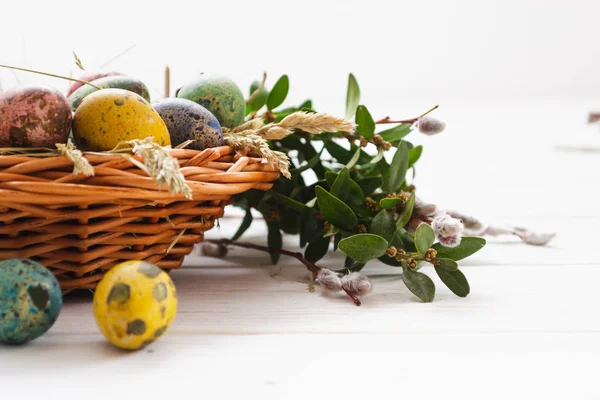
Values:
[(30, 300), (220, 95)]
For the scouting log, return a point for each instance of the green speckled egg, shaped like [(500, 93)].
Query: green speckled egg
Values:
[(109, 82), (220, 95), (30, 300), (187, 120)]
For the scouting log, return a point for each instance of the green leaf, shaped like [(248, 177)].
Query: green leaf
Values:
[(308, 227), (364, 246), (398, 168), (335, 211), (261, 99), (370, 184), (424, 238), (419, 284), (383, 225), (317, 249), (341, 185), (278, 93), (306, 104), (246, 222), (413, 155), (384, 168), (274, 240), (289, 222), (396, 133), (468, 246), (355, 195), (289, 202), (352, 97), (342, 155), (408, 240), (407, 212), (364, 121), (447, 264), (455, 281), (354, 159), (389, 202)]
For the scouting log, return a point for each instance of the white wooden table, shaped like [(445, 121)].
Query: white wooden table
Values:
[(529, 328)]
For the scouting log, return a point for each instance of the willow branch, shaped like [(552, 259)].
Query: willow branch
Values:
[(388, 120), (312, 267)]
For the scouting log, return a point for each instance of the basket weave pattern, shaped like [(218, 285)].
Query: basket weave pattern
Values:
[(80, 226)]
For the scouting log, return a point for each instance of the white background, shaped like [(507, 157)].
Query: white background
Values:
[(417, 51), (515, 80)]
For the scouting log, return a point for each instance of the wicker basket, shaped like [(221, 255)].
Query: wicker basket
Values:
[(80, 226)]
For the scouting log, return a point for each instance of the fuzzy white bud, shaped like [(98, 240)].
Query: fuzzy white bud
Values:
[(214, 250), (446, 225), (329, 280), (356, 283), (536, 238), (450, 241), (430, 126), (447, 229)]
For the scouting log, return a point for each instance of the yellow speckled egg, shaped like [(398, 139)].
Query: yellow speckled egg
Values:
[(134, 304), (109, 116)]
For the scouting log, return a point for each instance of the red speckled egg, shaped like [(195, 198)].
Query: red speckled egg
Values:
[(34, 116), (89, 77)]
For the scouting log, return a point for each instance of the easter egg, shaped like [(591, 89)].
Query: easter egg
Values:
[(109, 116), (187, 120), (34, 116), (220, 95), (90, 77), (134, 304), (119, 82), (30, 300)]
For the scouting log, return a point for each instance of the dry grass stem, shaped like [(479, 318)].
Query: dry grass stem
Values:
[(80, 164), (253, 134), (48, 74), (78, 62), (160, 165), (248, 141), (317, 123)]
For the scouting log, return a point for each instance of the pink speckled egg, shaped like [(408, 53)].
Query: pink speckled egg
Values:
[(34, 116), (89, 77)]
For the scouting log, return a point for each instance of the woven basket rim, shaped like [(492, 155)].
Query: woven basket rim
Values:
[(212, 174)]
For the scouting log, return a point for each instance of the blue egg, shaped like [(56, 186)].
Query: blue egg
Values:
[(187, 120), (30, 300)]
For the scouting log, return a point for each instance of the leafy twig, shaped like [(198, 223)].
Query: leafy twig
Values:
[(255, 94)]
